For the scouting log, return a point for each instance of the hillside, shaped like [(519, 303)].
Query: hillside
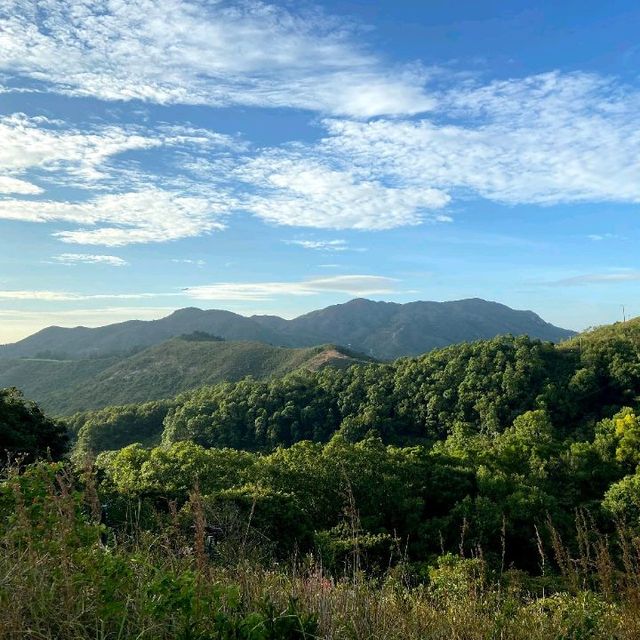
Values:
[(477, 387), (530, 449), (124, 337), (160, 371), (387, 330), (383, 330)]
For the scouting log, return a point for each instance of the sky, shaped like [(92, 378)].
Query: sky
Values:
[(280, 157)]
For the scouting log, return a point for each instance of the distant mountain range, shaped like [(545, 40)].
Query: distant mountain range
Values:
[(160, 371), (381, 330)]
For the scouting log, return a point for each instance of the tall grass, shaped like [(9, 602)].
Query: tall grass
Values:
[(63, 575)]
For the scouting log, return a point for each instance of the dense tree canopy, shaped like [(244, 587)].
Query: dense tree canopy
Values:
[(477, 445), (25, 432), (479, 387)]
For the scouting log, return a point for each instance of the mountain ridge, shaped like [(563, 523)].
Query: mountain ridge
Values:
[(382, 330)]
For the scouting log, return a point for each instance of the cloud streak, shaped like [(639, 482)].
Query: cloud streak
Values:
[(64, 296), (321, 245), (609, 278), (259, 291), (87, 258)]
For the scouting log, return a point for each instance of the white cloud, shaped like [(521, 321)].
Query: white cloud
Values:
[(152, 215), (15, 185), (84, 158), (198, 263), (599, 237), (29, 143), (350, 284), (215, 53), (87, 258), (48, 296), (307, 192), (545, 139), (321, 245)]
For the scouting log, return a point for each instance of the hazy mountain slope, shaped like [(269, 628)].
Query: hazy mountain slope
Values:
[(383, 330), (161, 371), (388, 330), (38, 378), (123, 337)]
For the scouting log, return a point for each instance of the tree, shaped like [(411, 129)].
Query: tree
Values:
[(26, 432)]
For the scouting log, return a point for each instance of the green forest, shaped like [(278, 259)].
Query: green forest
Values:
[(488, 489)]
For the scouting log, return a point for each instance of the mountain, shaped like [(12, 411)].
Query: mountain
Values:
[(383, 330), (124, 337), (160, 371), (387, 330)]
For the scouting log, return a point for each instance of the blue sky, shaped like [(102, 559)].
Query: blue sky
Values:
[(280, 157)]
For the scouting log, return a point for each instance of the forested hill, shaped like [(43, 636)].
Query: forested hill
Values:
[(490, 447), (457, 392), (383, 330), (161, 371)]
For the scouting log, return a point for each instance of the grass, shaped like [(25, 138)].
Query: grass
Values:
[(64, 575)]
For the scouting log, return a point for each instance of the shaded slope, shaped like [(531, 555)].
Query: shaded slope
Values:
[(161, 371), (388, 330)]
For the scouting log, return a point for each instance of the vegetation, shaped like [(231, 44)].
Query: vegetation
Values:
[(485, 490), (65, 575), (465, 390), (161, 371), (25, 432)]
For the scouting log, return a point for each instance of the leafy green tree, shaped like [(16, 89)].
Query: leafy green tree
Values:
[(26, 432), (622, 500)]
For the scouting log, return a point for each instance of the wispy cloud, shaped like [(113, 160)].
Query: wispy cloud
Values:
[(197, 263), (17, 186), (545, 139), (152, 215), (321, 245), (37, 142), (64, 296), (599, 237), (215, 53), (349, 284), (67, 154), (304, 192), (88, 258), (599, 278)]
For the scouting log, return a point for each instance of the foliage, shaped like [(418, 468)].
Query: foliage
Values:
[(66, 576), (484, 490), (25, 431)]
